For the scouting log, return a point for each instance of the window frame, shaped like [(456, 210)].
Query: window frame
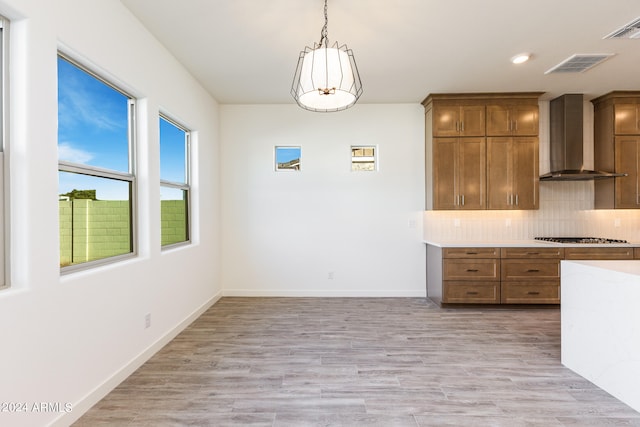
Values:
[(99, 172), (4, 157), (374, 158), (186, 186)]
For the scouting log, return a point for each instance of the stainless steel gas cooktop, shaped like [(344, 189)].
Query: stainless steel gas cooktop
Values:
[(579, 240)]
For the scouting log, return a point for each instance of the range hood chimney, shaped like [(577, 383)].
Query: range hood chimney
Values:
[(566, 142)]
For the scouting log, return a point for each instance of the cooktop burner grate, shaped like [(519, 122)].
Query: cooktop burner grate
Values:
[(579, 240)]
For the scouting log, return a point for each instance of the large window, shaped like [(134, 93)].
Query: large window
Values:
[(174, 182), (95, 168)]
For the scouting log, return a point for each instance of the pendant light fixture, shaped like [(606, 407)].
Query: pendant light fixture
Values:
[(326, 77)]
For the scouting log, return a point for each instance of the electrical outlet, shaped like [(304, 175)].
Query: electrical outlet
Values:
[(507, 222), (412, 223), (147, 320), (330, 275), (456, 222), (616, 222)]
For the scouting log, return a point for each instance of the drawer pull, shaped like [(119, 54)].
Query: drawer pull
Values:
[(533, 253), (472, 270), (472, 293), (533, 293), (533, 270), (472, 253)]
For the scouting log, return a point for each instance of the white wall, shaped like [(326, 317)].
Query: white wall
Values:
[(285, 232), (70, 339)]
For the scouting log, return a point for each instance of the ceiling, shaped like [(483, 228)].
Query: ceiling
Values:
[(246, 51)]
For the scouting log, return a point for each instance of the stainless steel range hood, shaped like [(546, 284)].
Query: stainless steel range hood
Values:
[(566, 143)]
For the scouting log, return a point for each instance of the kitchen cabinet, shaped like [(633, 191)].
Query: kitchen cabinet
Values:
[(459, 173), (456, 156), (600, 253), (471, 275), (627, 158), (458, 120), (512, 173), (617, 149), (506, 275), (627, 119), (520, 119), (530, 275)]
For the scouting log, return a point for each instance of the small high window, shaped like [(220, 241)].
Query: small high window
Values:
[(363, 158), (95, 168), (287, 158), (174, 182)]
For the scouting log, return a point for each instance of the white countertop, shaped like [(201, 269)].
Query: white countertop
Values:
[(521, 244), (631, 267)]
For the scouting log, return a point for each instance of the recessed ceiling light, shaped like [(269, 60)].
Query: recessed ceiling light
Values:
[(520, 58)]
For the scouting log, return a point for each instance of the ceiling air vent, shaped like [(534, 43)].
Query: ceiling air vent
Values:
[(579, 62), (629, 31)]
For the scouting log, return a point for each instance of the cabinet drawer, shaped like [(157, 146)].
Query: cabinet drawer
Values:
[(471, 269), (598, 253), (471, 253), (471, 292), (636, 253), (532, 252), (547, 292), (524, 269)]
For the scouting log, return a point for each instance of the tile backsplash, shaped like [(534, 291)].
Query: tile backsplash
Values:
[(566, 209)]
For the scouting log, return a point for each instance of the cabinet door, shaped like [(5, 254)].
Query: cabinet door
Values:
[(472, 173), (599, 253), (471, 292), (516, 119), (512, 173), (459, 174), (445, 166), (499, 173), (626, 160), (446, 119), (524, 120), (627, 119), (498, 120), (472, 119), (537, 292), (525, 173)]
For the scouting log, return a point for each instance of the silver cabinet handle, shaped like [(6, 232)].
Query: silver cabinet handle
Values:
[(462, 199), (516, 200)]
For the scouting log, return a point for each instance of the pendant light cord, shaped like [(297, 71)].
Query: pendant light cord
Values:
[(324, 33)]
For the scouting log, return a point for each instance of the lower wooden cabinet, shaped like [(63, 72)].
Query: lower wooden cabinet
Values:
[(511, 275), (530, 275), (599, 253), (471, 292), (530, 292)]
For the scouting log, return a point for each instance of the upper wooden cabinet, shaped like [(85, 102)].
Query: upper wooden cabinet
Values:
[(617, 148), (457, 158), (519, 118), (459, 173), (458, 120), (512, 173), (627, 119)]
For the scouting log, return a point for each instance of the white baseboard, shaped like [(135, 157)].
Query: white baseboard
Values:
[(94, 396), (322, 294)]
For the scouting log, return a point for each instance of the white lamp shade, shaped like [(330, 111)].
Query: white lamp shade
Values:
[(326, 80)]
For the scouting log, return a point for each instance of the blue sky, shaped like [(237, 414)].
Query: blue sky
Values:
[(93, 130)]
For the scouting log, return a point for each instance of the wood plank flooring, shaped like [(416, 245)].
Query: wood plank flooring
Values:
[(360, 362)]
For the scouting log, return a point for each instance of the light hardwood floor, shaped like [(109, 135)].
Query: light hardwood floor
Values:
[(360, 362)]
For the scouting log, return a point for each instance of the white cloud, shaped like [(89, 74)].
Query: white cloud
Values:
[(71, 154)]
